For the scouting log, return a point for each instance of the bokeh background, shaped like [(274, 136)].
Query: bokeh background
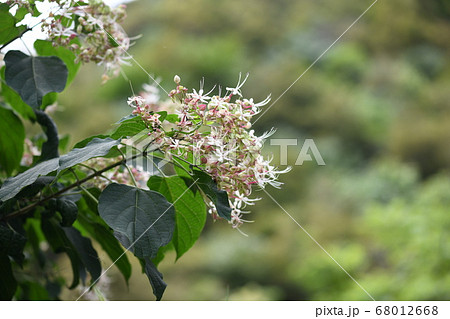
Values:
[(378, 108)]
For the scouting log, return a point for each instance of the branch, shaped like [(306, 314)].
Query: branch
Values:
[(78, 183), (14, 39)]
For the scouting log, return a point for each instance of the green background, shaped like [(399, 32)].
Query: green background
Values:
[(377, 107)]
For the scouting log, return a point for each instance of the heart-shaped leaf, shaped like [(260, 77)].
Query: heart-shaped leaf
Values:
[(34, 77), (142, 220)]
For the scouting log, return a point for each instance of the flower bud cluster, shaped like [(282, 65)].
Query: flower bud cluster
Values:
[(214, 130), (92, 31)]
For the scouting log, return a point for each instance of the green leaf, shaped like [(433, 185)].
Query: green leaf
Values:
[(50, 146), (190, 209), (142, 220), (86, 141), (86, 252), (109, 244), (217, 196), (13, 185), (68, 210), (155, 278), (128, 117), (162, 115), (34, 241), (96, 147), (59, 242), (8, 283), (8, 29), (130, 127), (172, 118), (46, 48), (34, 77), (21, 13), (13, 99), (11, 140)]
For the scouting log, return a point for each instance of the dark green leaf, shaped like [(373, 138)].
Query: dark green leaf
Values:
[(36, 187), (96, 147), (85, 142), (190, 210), (86, 252), (59, 242), (68, 210), (155, 278), (8, 29), (217, 196), (50, 147), (8, 283), (143, 221), (129, 127), (11, 140), (13, 185), (13, 99), (34, 77), (11, 242), (46, 48), (109, 244), (162, 253)]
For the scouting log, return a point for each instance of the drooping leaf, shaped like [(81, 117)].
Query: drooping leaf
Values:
[(217, 196), (162, 253), (34, 77), (103, 235), (155, 278), (130, 127), (8, 29), (8, 283), (13, 185), (46, 48), (142, 220), (59, 242), (190, 209), (11, 140), (50, 147), (96, 147), (86, 252)]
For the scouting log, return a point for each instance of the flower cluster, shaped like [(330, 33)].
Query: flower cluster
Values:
[(214, 130), (92, 31)]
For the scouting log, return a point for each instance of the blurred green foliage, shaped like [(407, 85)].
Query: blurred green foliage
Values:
[(377, 107)]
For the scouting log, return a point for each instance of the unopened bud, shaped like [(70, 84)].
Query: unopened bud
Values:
[(177, 79)]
